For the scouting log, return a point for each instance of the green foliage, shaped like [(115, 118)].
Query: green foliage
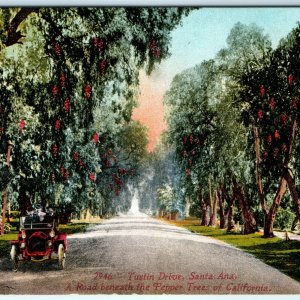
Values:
[(74, 83)]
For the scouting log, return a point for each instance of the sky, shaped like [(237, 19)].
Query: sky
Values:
[(202, 34)]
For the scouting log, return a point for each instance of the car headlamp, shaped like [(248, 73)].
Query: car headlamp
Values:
[(23, 245), (52, 233), (49, 244), (23, 234)]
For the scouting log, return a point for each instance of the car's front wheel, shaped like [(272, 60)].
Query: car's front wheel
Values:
[(14, 253), (61, 256)]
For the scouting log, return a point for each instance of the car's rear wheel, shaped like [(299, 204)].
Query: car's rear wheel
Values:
[(61, 256), (14, 253)]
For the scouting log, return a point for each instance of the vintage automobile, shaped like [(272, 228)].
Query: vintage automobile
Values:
[(39, 240)]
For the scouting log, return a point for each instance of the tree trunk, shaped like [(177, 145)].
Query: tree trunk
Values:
[(230, 220), (294, 224), (213, 217), (259, 182), (5, 191), (247, 215), (203, 206), (222, 210), (269, 219), (293, 191)]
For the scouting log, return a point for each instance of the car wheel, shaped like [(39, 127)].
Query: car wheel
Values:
[(14, 257), (61, 256)]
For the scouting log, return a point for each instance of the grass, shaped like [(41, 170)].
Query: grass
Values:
[(74, 227), (278, 253)]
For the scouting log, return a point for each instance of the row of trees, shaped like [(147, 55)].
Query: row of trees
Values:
[(68, 84), (233, 124)]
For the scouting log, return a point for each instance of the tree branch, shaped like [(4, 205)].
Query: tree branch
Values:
[(13, 35)]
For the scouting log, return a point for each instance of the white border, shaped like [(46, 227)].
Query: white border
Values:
[(209, 3)]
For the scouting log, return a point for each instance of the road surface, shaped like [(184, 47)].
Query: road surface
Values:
[(135, 254)]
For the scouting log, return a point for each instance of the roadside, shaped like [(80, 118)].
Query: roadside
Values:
[(277, 252)]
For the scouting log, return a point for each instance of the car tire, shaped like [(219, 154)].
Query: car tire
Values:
[(14, 255), (61, 256)]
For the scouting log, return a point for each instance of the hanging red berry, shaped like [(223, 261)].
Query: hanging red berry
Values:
[(57, 125), (295, 103), (269, 139), (57, 49), (54, 150), (81, 164), (265, 155), (290, 79), (277, 134), (184, 153), (117, 192), (284, 147), (67, 105), (102, 67), (157, 52), (260, 114), (187, 172), (66, 175), (95, 138), (87, 91), (276, 152), (21, 125), (96, 41), (272, 103), (62, 79), (54, 90), (75, 155), (284, 118), (191, 139), (101, 45), (114, 159), (184, 140), (92, 176), (107, 163), (153, 46), (262, 90)]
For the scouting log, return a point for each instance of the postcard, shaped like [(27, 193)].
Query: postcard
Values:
[(149, 150)]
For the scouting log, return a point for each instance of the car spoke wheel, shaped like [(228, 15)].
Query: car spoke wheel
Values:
[(14, 257), (61, 256)]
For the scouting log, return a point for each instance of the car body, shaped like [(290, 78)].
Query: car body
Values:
[(39, 240)]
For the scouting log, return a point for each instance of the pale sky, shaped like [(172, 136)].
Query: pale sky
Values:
[(202, 34)]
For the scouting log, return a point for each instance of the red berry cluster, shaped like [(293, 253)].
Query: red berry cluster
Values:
[(21, 125), (54, 90), (95, 138), (75, 155), (57, 49), (54, 150), (276, 139), (92, 177), (102, 67), (155, 50), (67, 105), (98, 43), (57, 125), (87, 91), (62, 79)]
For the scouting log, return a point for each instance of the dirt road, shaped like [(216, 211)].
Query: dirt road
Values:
[(140, 255)]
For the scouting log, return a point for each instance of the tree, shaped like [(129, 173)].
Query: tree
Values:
[(87, 67)]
